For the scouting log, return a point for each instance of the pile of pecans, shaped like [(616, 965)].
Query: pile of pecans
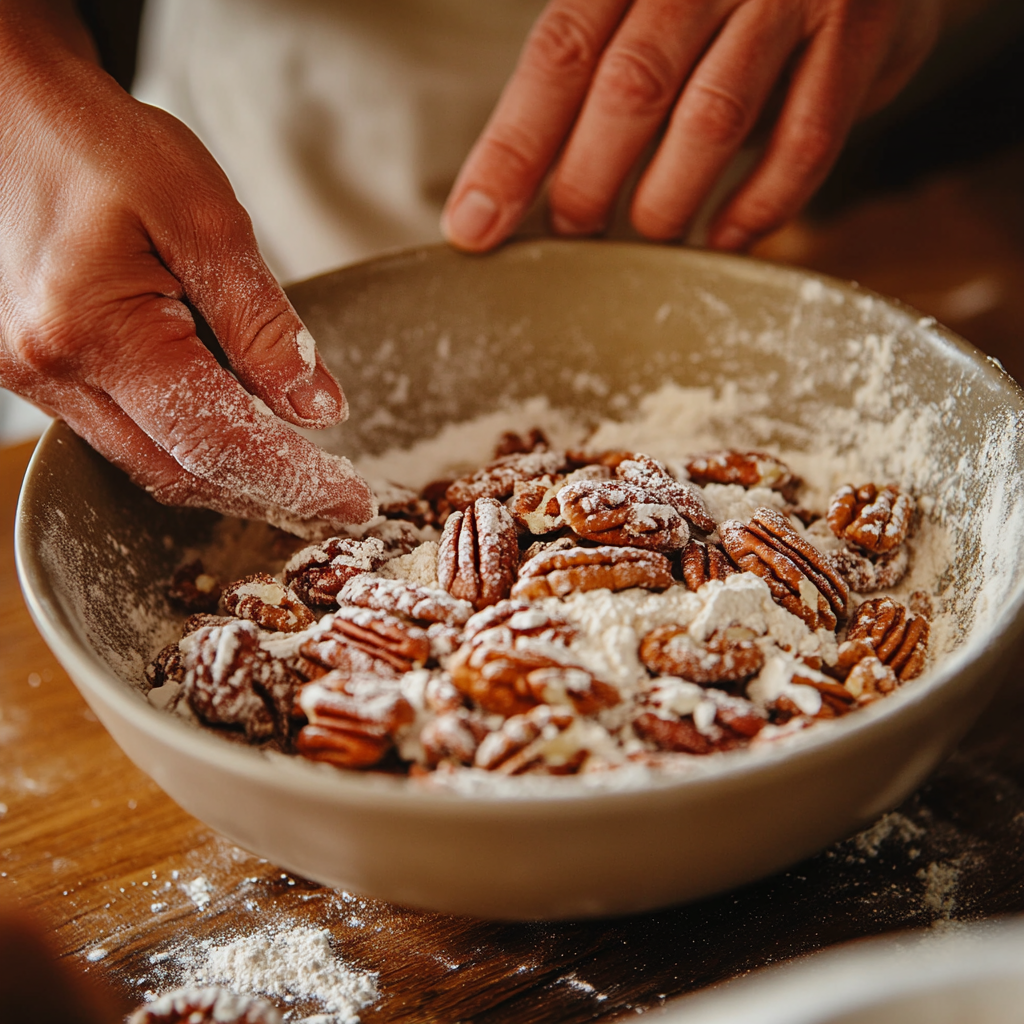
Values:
[(341, 658)]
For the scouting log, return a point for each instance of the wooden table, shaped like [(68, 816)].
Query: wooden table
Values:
[(102, 858)]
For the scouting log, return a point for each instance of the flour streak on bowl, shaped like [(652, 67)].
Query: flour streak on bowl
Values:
[(431, 338)]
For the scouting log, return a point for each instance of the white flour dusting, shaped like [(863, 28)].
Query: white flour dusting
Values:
[(291, 964)]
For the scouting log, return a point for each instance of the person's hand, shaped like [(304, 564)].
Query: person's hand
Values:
[(598, 80), (112, 214)]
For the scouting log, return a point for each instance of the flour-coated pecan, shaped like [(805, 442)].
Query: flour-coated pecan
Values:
[(509, 680), (199, 619), (194, 589), (864, 574), (166, 667), (653, 476), (869, 679), (748, 468), (534, 505), (899, 639), (727, 656), (498, 479), (696, 724), (267, 602), (479, 553), (511, 620), (453, 736), (318, 572), (800, 577), (205, 1006), (622, 514), (877, 519), (511, 443), (398, 536), (379, 634), (518, 745), (561, 572), (230, 680), (562, 542), (702, 562), (396, 501), (435, 496), (399, 597)]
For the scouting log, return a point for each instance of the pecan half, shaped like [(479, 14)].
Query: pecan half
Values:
[(398, 536), (561, 572), (440, 508), (402, 598), (703, 562), (621, 513), (498, 479), (518, 745), (267, 602), (876, 519), (727, 656), (166, 667), (511, 620), (800, 577), (199, 619), (379, 635), (453, 736), (479, 553), (194, 589), (205, 1006), (750, 468), (351, 720), (511, 443), (318, 572), (865, 574), (534, 505), (653, 476), (899, 639), (230, 680), (510, 680), (869, 679), (700, 723)]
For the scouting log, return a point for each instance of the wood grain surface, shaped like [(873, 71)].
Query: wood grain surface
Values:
[(105, 861)]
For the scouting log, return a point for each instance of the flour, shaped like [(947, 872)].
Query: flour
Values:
[(291, 964)]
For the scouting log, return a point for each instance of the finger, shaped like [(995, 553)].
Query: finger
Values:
[(714, 115), (536, 110), (827, 91), (173, 388), (92, 414), (635, 84), (208, 245)]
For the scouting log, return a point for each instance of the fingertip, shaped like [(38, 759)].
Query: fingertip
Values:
[(353, 503), (319, 403), (730, 238), (470, 219)]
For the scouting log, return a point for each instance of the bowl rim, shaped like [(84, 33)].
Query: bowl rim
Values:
[(557, 795)]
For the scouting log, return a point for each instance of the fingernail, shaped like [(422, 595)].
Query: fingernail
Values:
[(564, 226), (469, 220), (730, 237), (307, 347), (317, 406)]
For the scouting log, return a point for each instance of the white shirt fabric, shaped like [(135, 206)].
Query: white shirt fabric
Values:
[(340, 123)]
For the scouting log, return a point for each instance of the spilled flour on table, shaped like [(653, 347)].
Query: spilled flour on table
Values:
[(292, 964)]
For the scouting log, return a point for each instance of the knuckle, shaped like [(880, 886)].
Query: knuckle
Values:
[(812, 146), (637, 79), (569, 200), (716, 115), (515, 153), (562, 42)]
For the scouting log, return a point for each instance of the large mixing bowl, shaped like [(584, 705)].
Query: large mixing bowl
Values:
[(431, 337)]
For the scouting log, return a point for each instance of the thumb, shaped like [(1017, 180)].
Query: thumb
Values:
[(269, 348)]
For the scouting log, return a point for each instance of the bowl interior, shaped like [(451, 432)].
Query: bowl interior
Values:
[(424, 339)]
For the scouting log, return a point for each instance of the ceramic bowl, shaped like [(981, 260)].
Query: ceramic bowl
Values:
[(431, 337)]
